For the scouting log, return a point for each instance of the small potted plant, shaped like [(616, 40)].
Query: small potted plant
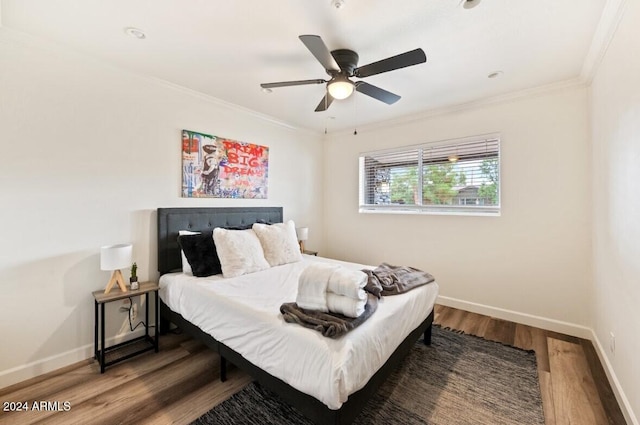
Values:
[(133, 280)]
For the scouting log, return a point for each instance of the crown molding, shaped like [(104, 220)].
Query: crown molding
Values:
[(222, 103), (612, 14)]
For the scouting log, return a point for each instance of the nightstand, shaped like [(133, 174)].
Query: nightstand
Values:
[(306, 251), (125, 350)]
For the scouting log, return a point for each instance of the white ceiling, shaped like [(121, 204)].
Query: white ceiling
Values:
[(225, 49)]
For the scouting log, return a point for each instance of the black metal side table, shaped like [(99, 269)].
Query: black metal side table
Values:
[(125, 350)]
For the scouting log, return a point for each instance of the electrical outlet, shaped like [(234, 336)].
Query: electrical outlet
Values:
[(125, 305), (134, 312), (612, 343)]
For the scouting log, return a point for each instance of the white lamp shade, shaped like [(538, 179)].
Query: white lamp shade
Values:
[(115, 257), (303, 233), (340, 89)]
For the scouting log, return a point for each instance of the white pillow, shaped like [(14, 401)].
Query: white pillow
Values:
[(186, 267), (239, 252), (279, 242)]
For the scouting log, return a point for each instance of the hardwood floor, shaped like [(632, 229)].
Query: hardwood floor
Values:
[(573, 384), (180, 383)]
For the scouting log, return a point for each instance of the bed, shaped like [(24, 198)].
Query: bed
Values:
[(328, 380)]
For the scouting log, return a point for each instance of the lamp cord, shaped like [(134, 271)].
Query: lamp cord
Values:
[(133, 328), (176, 331)]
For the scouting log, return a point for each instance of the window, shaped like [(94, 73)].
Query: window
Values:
[(459, 176)]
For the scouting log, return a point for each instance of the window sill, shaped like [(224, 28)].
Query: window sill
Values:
[(475, 212)]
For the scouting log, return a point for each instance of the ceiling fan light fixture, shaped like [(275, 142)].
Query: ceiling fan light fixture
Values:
[(340, 88), (341, 64)]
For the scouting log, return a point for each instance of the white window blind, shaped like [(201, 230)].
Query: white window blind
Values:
[(459, 176)]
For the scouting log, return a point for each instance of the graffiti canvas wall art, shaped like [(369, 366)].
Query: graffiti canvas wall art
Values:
[(217, 167)]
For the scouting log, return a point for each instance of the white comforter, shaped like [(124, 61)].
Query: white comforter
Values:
[(244, 313)]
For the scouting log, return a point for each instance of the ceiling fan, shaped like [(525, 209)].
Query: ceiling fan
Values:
[(342, 64)]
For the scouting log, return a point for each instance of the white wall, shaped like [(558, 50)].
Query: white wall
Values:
[(87, 153), (533, 259), (615, 110)]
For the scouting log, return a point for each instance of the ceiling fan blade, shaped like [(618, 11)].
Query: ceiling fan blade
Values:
[(290, 83), (324, 103), (376, 92), (402, 60), (317, 47)]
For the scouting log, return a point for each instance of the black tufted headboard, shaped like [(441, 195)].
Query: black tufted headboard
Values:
[(172, 220)]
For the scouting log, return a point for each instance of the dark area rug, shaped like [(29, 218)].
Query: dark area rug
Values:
[(459, 379)]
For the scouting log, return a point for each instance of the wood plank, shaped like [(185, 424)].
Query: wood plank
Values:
[(93, 384), (437, 310), (200, 401), (605, 392), (501, 331), (193, 346), (142, 396), (42, 387), (442, 315), (575, 397), (474, 324), (563, 337), (546, 392), (455, 318), (539, 342), (524, 337)]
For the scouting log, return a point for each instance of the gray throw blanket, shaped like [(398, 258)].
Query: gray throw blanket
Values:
[(393, 280), (331, 325)]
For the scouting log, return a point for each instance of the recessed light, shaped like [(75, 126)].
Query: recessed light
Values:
[(135, 32), (470, 4), (495, 74), (266, 90), (338, 4)]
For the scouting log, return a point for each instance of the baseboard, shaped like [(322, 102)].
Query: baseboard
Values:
[(556, 326), (52, 363), (622, 399), (514, 316)]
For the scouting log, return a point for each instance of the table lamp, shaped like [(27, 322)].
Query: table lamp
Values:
[(114, 258), (303, 235)]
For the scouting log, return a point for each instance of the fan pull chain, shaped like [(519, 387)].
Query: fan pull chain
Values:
[(355, 107)]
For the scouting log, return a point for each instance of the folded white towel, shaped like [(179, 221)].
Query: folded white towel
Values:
[(348, 282), (312, 286), (345, 305)]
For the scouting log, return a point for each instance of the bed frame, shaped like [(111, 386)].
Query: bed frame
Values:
[(172, 220)]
